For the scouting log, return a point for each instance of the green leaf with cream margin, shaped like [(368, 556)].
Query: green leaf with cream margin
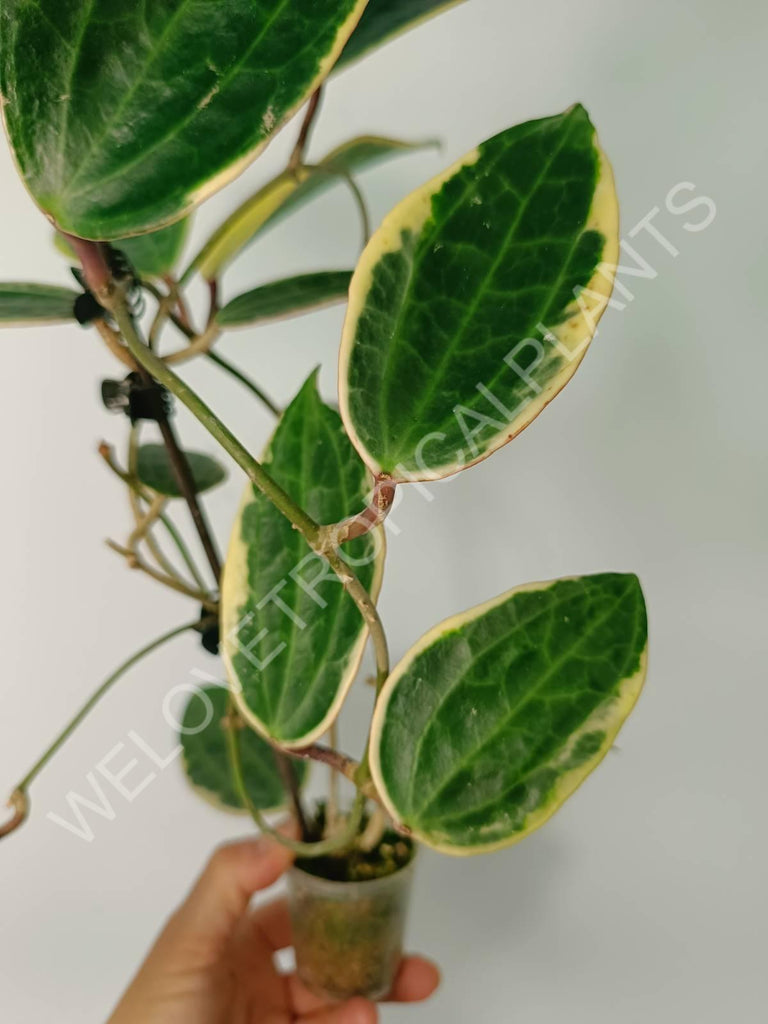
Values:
[(124, 116), (286, 194), (495, 717), (23, 304), (475, 301), (292, 637), (206, 757), (289, 297), (384, 19)]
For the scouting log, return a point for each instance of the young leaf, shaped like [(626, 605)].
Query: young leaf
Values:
[(286, 194), (494, 718), (292, 637), (206, 759), (474, 303), (123, 116), (154, 469), (151, 255), (23, 304), (289, 297), (383, 19)]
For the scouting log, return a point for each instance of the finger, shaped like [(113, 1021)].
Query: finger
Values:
[(416, 979), (272, 923), (223, 891), (354, 1011), (302, 999), (264, 931)]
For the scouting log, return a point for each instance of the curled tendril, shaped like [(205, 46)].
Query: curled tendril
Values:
[(19, 804)]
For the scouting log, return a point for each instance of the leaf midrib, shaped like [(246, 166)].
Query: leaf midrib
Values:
[(513, 710), (458, 336), (299, 497), (624, 678), (108, 127), (339, 601), (536, 614), (130, 93), (424, 241)]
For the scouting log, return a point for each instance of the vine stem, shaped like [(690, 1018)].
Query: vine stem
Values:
[(19, 798), (183, 473), (154, 501), (111, 294), (357, 526), (114, 297), (334, 844), (135, 561), (246, 381), (134, 485), (291, 785), (309, 529), (297, 156)]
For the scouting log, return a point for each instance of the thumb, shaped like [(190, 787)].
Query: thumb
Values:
[(222, 893)]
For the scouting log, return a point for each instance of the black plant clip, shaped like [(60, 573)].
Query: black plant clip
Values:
[(137, 398), (123, 270), (87, 307), (208, 628)]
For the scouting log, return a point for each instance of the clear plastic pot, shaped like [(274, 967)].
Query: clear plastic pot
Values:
[(348, 936)]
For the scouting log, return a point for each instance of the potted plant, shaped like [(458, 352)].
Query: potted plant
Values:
[(470, 308)]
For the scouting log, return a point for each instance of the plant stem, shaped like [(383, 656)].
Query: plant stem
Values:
[(95, 698), (133, 483), (334, 845), (200, 345), (114, 344), (135, 561), (181, 306), (329, 756), (95, 267), (332, 809), (183, 550), (251, 385), (183, 473), (19, 803), (153, 501), (154, 548), (179, 464), (297, 156), (291, 786), (122, 314), (308, 528), (145, 522), (362, 206), (213, 302), (158, 369), (357, 526)]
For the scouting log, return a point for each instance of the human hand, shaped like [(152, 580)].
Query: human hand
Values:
[(214, 961)]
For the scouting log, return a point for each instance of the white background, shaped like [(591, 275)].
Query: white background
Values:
[(645, 898)]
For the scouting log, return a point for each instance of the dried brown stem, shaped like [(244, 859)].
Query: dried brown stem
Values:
[(135, 561), (19, 804)]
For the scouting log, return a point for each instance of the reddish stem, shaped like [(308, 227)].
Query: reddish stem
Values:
[(19, 802), (374, 515), (95, 267)]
